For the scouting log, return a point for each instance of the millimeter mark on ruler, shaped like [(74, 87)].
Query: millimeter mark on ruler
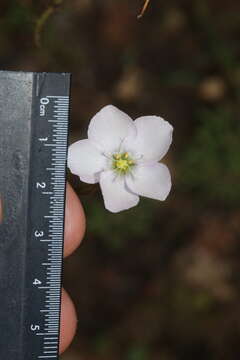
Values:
[(38, 227)]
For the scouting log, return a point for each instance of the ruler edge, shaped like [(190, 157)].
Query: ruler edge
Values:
[(35, 94)]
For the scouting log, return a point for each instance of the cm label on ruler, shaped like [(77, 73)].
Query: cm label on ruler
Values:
[(36, 115)]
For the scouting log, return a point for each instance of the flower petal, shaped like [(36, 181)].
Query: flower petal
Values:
[(109, 127), (154, 137), (90, 179), (116, 196), (153, 181), (86, 161)]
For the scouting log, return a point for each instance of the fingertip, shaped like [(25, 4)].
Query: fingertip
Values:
[(75, 221), (68, 325)]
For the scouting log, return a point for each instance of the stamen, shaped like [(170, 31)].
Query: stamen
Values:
[(131, 174), (122, 163), (119, 149), (107, 156), (115, 177), (139, 157)]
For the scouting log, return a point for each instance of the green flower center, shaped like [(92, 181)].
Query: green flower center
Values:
[(122, 163)]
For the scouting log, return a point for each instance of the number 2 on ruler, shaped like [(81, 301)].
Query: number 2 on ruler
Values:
[(41, 185)]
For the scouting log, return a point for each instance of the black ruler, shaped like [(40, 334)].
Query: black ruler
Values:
[(34, 116)]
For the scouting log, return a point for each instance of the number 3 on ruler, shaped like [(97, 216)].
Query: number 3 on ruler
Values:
[(39, 233)]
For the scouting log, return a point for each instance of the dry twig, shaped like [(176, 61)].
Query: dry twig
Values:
[(144, 8)]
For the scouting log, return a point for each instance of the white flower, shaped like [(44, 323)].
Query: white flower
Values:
[(122, 155)]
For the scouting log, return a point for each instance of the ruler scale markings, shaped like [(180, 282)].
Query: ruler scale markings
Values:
[(55, 234), (60, 129), (56, 291), (60, 110), (58, 96), (51, 282), (51, 327), (55, 250), (61, 125), (57, 177), (44, 287), (58, 152), (53, 296), (51, 320), (52, 324), (47, 357), (60, 104), (57, 203)]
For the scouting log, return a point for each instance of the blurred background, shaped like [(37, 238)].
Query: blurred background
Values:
[(160, 281)]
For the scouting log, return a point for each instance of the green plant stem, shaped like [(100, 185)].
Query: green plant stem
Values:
[(41, 21)]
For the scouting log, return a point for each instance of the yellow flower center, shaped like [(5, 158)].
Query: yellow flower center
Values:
[(122, 163)]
